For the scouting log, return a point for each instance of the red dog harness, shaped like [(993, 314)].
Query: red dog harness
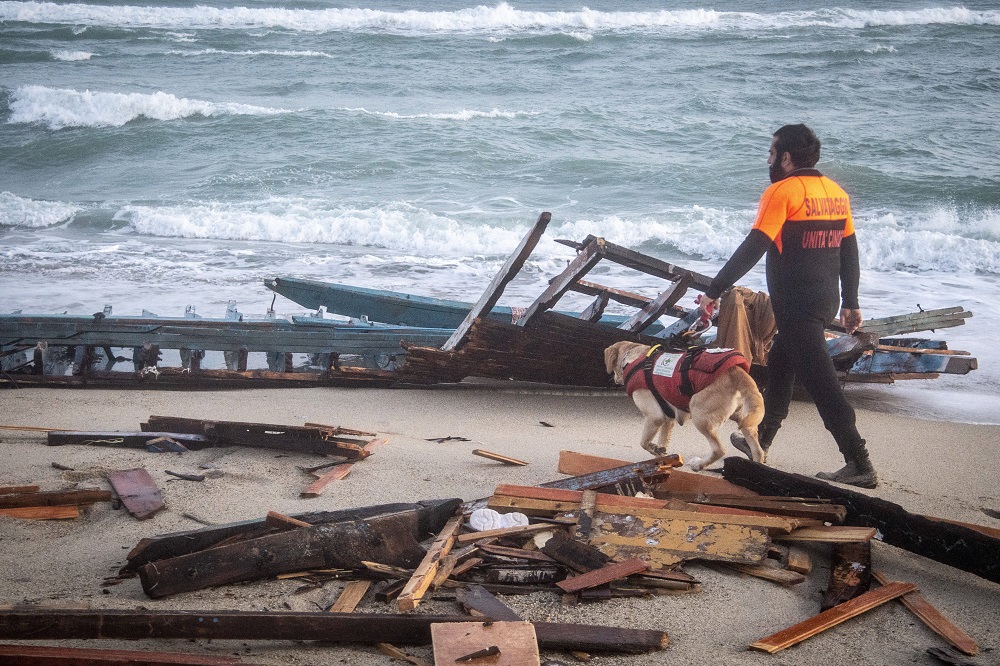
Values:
[(674, 377)]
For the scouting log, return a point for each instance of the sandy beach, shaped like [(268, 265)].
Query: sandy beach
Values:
[(932, 467)]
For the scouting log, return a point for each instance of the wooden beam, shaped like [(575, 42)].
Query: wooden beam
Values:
[(43, 512), (335, 473), (496, 287), (587, 258), (54, 498), (658, 306), (954, 545), (644, 263), (423, 576), (935, 621), (831, 618), (370, 628)]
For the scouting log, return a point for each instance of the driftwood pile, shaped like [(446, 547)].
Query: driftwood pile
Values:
[(610, 530)]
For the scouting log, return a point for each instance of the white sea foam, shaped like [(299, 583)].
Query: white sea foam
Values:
[(464, 114), (71, 56), (58, 108), (280, 54), (502, 18), (16, 211)]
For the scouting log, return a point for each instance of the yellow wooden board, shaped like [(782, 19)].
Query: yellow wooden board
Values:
[(516, 641), (664, 542)]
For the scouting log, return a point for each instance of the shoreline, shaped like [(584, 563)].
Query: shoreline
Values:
[(938, 468)]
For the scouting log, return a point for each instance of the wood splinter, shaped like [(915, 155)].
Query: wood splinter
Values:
[(479, 654), (482, 453)]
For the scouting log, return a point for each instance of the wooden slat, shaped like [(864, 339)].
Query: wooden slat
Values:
[(315, 489), (658, 306), (423, 576), (933, 618), (137, 491), (350, 596), (391, 650), (497, 457), (774, 574), (463, 539), (280, 520), (43, 512), (37, 655), (496, 287), (830, 534), (14, 490), (603, 575), (54, 498), (586, 259), (831, 618)]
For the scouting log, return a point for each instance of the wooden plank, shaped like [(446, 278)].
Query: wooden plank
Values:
[(495, 643), (831, 618), (603, 575), (54, 498), (586, 259), (799, 561), (644, 263), (666, 542), (281, 521), (392, 651), (934, 620), (830, 534), (350, 596), (585, 514), (37, 655), (682, 481), (571, 462), (423, 576), (521, 553), (137, 491), (954, 545), (850, 573), (337, 472), (496, 287), (827, 512), (43, 512), (482, 453)]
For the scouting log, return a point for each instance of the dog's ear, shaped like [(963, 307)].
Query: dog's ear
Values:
[(611, 357)]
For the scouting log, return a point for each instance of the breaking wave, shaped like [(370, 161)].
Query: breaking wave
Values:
[(58, 108), (500, 18), (16, 211)]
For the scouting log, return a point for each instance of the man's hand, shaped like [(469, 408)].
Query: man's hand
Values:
[(850, 319), (707, 306)]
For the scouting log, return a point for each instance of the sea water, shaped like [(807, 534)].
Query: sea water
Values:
[(159, 155)]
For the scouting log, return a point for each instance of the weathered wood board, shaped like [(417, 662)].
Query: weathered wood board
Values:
[(515, 643)]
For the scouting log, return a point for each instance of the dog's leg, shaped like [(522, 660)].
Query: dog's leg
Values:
[(655, 422), (756, 451), (663, 442), (711, 433)]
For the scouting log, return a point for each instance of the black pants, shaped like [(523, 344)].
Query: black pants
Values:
[(799, 350)]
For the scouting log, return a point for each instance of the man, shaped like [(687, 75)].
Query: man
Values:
[(804, 225)]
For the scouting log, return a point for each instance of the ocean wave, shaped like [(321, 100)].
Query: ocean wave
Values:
[(71, 56), (501, 18), (58, 108), (16, 211), (278, 53)]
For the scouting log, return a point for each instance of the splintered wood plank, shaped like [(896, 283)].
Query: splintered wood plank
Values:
[(585, 518), (603, 575), (482, 453), (774, 574), (799, 561), (392, 651), (281, 521), (831, 618), (43, 512), (665, 542), (478, 598), (850, 572), (502, 532), (575, 464), (932, 617), (350, 596), (830, 534), (336, 473), (424, 574), (516, 642), (37, 655), (137, 491)]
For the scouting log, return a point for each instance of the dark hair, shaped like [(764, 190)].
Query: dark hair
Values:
[(800, 142)]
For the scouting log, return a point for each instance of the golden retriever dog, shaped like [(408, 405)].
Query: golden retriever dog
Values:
[(732, 394)]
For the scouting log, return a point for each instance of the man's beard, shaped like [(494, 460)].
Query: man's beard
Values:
[(775, 171)]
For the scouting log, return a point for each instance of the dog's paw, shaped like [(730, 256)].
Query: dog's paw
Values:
[(655, 450)]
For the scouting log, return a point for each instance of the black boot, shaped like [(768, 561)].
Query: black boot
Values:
[(857, 472), (765, 435)]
